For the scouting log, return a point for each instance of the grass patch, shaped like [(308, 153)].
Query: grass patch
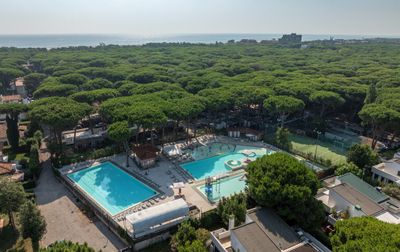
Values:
[(388, 154), (325, 150)]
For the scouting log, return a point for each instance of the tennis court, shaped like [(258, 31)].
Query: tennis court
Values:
[(325, 150)]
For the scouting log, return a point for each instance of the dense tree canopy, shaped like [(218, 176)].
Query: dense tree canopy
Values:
[(326, 100), (93, 96), (33, 80), (58, 113), (379, 118), (365, 234), (283, 105)]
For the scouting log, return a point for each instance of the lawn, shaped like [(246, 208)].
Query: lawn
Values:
[(10, 239), (324, 150)]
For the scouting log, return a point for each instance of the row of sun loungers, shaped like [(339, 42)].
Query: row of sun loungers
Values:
[(139, 207)]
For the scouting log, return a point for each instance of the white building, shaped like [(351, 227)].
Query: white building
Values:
[(387, 172), (84, 138)]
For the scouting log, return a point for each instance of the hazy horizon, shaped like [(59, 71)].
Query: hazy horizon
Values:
[(155, 18), (66, 40)]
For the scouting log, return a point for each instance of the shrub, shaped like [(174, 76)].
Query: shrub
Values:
[(233, 206)]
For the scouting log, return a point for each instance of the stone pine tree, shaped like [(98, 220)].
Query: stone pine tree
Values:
[(283, 106), (12, 196), (282, 139), (120, 133), (12, 111), (371, 94), (32, 222)]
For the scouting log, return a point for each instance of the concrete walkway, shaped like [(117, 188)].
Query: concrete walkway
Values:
[(64, 219)]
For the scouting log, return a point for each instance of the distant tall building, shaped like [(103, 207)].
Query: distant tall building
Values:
[(292, 38)]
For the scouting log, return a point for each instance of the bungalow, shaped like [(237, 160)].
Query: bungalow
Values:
[(10, 99), (146, 155), (251, 134), (19, 87), (84, 138), (387, 172), (348, 196), (263, 230)]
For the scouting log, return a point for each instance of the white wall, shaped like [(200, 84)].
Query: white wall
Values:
[(235, 243), (342, 205)]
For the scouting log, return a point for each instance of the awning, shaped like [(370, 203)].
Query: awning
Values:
[(178, 185)]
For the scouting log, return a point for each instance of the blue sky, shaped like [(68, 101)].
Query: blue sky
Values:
[(161, 17)]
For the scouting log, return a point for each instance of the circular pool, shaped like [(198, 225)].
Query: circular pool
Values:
[(234, 164)]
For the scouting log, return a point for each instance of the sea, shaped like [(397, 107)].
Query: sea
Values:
[(68, 40)]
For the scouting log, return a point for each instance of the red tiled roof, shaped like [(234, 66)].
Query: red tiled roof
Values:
[(146, 151), (10, 98), (6, 168), (3, 131)]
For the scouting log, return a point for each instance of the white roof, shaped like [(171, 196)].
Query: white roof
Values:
[(390, 167), (389, 218), (172, 150), (156, 215)]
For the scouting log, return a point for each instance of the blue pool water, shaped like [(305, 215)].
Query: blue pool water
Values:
[(224, 188), (111, 187), (211, 166)]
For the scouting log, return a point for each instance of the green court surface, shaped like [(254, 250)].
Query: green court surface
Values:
[(324, 149)]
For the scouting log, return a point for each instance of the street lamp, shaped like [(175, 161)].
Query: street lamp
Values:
[(316, 144)]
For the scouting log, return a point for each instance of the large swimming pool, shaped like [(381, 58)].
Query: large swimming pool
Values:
[(224, 188), (220, 154), (111, 187)]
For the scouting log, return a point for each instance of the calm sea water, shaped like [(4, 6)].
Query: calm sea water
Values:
[(54, 41)]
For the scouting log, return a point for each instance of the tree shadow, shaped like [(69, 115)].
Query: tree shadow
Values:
[(8, 237)]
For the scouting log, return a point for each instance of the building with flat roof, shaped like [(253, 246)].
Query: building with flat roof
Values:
[(387, 172), (292, 38), (84, 138), (264, 230)]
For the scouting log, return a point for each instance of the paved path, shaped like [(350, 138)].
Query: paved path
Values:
[(65, 220)]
